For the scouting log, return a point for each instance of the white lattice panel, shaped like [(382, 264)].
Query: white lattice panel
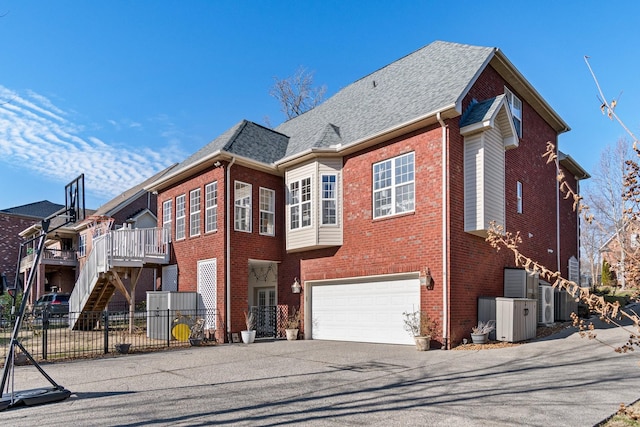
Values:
[(170, 278), (207, 288)]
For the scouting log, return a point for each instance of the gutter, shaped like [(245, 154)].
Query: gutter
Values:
[(445, 235), (227, 261)]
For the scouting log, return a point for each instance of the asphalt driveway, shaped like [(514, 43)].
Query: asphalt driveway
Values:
[(563, 380)]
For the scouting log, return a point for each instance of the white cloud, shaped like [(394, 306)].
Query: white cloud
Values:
[(40, 137)]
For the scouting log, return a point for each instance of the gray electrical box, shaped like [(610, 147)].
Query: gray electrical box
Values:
[(487, 312), (518, 283), (162, 307), (516, 319)]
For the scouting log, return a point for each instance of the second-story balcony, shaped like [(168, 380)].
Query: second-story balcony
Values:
[(50, 257)]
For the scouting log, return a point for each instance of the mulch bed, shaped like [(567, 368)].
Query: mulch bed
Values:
[(542, 331)]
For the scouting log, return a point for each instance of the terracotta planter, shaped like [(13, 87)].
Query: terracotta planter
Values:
[(292, 334), (248, 336), (422, 343)]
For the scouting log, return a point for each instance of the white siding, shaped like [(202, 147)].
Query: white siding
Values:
[(473, 182), (316, 236), (330, 235), (494, 179), (484, 166)]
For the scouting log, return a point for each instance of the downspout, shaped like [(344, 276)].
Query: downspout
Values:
[(227, 261), (445, 236), (557, 214)]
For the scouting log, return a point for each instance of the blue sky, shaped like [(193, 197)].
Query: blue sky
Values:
[(118, 90)]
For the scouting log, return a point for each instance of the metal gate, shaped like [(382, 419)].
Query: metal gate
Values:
[(265, 319)]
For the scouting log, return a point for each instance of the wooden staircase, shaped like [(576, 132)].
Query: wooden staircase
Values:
[(99, 278)]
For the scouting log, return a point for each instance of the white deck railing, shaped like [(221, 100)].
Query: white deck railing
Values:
[(140, 245)]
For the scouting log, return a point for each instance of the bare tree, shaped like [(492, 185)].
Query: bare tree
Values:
[(296, 93), (605, 197)]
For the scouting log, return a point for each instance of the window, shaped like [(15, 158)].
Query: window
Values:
[(242, 207), (167, 207), (180, 216), (394, 186), (211, 206), (194, 212), (519, 197), (82, 245), (329, 200), (300, 203), (267, 211), (516, 110)]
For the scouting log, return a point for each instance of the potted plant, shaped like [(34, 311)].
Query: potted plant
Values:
[(480, 333), (196, 335), (293, 325), (249, 335), (122, 346), (421, 327)]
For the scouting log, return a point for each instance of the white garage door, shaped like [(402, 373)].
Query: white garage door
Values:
[(364, 312)]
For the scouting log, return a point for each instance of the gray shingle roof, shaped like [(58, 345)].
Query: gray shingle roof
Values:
[(431, 79), (425, 81), (245, 139), (480, 111), (40, 209)]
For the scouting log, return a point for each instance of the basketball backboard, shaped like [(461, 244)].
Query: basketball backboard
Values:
[(74, 199)]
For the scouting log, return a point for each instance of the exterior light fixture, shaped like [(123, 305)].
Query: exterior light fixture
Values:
[(426, 279), (296, 288)]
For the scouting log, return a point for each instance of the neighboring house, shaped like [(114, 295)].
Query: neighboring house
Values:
[(377, 202), (68, 248), (12, 222), (621, 249)]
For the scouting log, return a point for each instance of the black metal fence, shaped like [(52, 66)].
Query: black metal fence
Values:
[(48, 337)]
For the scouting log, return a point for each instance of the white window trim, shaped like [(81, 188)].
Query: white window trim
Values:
[(519, 197), (237, 203), (334, 199), (393, 186), (300, 204), (82, 245), (513, 100), (271, 213), (167, 211), (195, 202), (211, 207), (181, 217)]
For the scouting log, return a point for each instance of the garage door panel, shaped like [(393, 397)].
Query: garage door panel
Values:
[(365, 312)]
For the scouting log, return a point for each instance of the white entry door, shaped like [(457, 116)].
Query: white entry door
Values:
[(364, 312)]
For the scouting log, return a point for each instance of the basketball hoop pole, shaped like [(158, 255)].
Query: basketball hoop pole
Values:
[(74, 204)]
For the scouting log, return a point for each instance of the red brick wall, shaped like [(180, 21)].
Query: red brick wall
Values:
[(10, 226), (406, 243), (245, 246)]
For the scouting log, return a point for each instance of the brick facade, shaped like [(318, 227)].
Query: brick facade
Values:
[(11, 225), (399, 244)]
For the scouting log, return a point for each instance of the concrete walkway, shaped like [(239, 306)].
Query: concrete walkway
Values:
[(563, 380)]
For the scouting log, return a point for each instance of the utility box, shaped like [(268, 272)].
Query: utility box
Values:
[(162, 307), (515, 319), (487, 312), (564, 305), (518, 283)]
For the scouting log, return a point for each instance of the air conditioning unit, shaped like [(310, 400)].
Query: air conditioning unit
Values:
[(518, 283), (563, 305), (545, 304)]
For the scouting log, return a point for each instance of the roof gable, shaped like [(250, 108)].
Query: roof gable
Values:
[(428, 80)]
